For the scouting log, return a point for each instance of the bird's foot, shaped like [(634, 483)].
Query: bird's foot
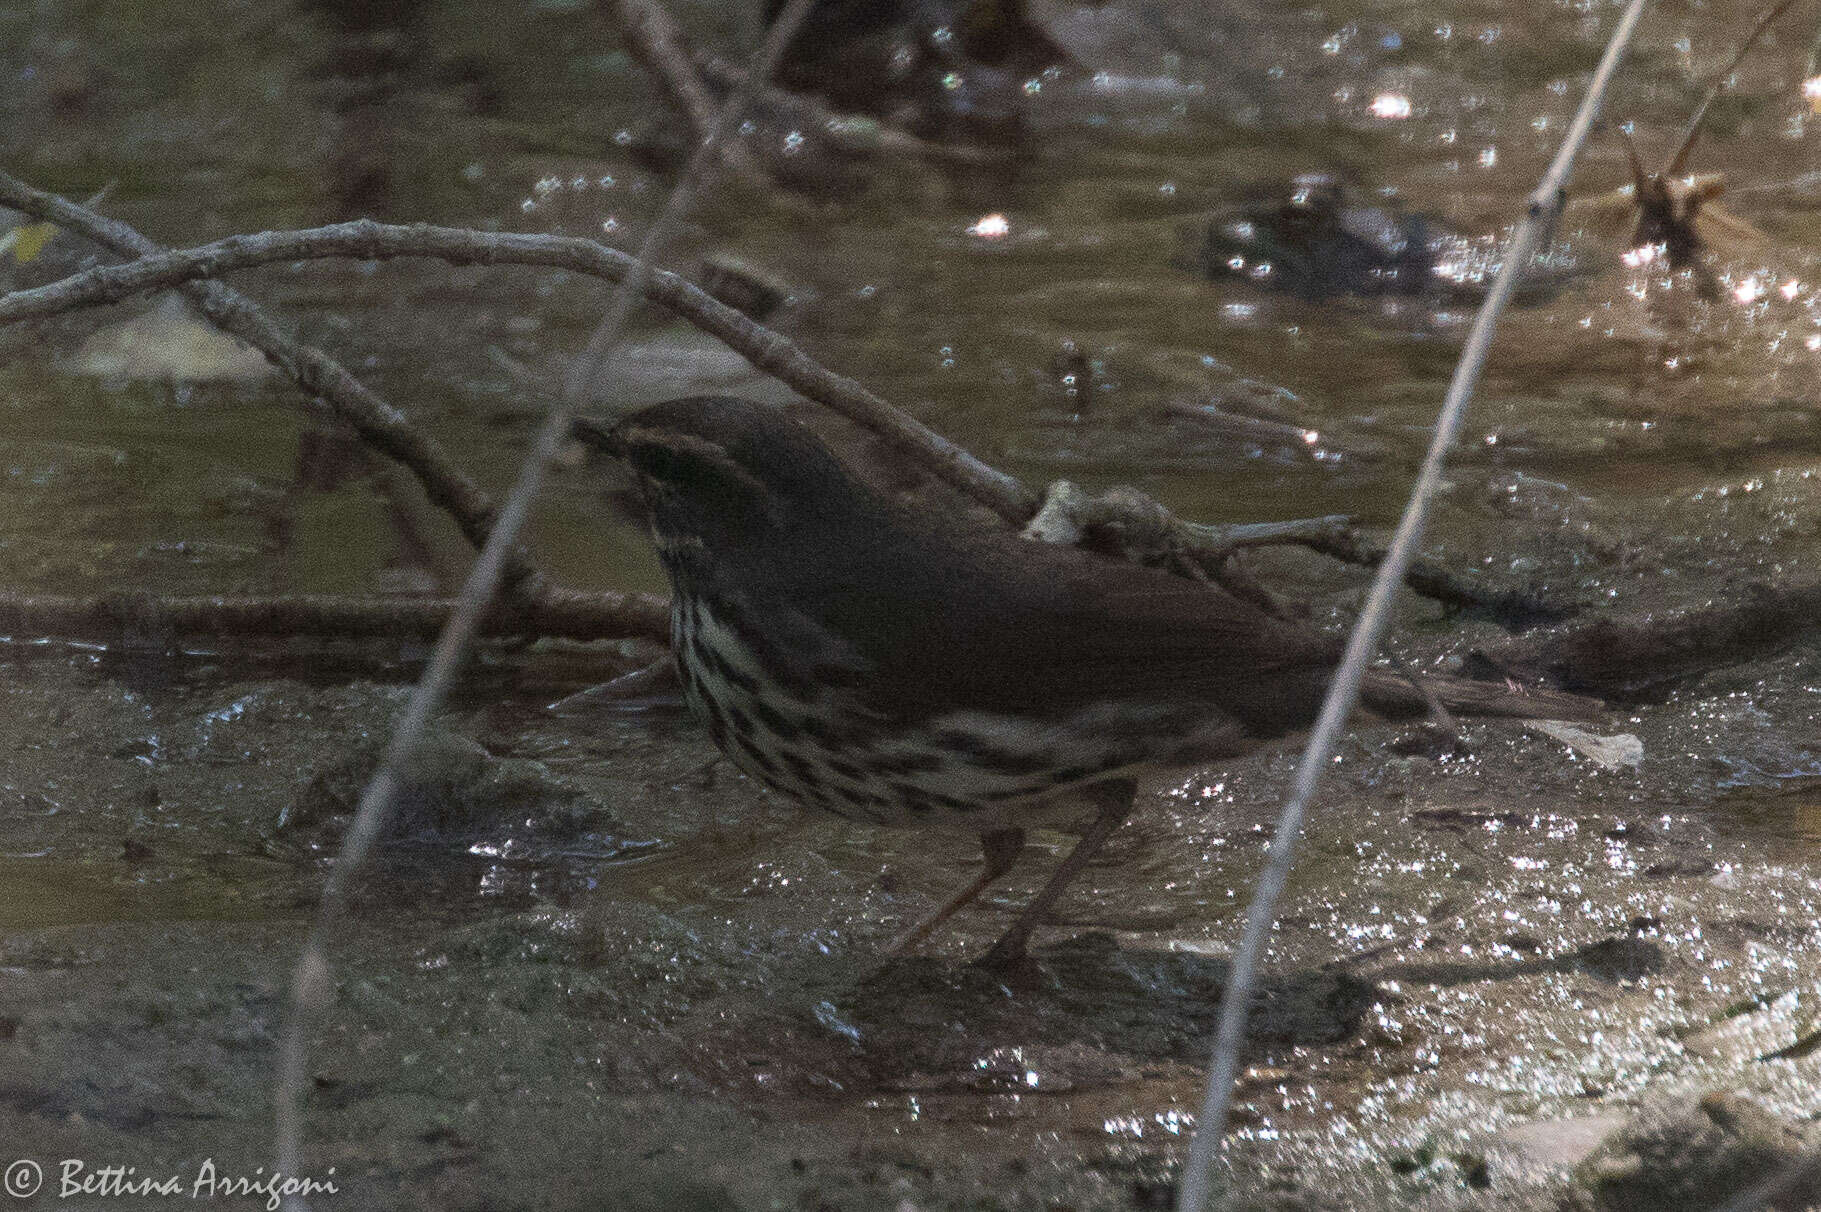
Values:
[(1010, 952), (1020, 970)]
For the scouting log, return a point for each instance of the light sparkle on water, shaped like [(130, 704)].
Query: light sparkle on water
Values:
[(990, 227)]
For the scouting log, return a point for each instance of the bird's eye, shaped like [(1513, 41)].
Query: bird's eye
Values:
[(658, 462), (699, 471), (672, 464)]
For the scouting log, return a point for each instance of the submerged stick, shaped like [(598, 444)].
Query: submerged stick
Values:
[(565, 614), (1604, 655), (1196, 1188)]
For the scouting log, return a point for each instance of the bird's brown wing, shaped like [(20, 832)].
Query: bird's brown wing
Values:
[(1012, 626), (1391, 693), (1000, 624)]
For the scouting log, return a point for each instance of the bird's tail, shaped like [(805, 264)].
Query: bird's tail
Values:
[(1391, 693)]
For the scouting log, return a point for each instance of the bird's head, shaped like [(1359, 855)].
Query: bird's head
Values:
[(728, 476)]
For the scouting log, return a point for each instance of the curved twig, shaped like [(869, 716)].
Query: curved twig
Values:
[(1635, 656), (366, 240), (380, 424)]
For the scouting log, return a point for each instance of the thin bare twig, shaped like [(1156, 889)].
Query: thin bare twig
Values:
[(1196, 1188), (312, 985), (1679, 160), (316, 372), (657, 43), (363, 239)]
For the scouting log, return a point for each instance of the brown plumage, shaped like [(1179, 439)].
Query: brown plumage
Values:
[(897, 667)]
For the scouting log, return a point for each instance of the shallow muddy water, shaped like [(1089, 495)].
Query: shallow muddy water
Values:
[(592, 969)]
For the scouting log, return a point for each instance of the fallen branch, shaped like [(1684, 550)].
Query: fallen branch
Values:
[(377, 422), (1206, 546), (1628, 658), (1141, 529), (564, 614)]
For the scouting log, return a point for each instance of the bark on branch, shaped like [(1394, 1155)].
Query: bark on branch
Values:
[(1637, 657), (565, 614), (365, 240)]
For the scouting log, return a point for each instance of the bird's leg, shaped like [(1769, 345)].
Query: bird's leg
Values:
[(1436, 736), (1439, 715), (1001, 848), (1115, 802)]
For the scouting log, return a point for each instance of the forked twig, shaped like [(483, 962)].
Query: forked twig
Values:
[(766, 350), (1670, 210), (657, 43)]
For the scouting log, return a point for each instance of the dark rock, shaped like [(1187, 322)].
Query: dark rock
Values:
[(1620, 959), (1318, 238), (945, 69)]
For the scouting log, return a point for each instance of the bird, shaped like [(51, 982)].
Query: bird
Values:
[(915, 669)]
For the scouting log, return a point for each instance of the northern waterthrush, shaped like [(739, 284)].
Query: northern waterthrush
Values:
[(902, 668)]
